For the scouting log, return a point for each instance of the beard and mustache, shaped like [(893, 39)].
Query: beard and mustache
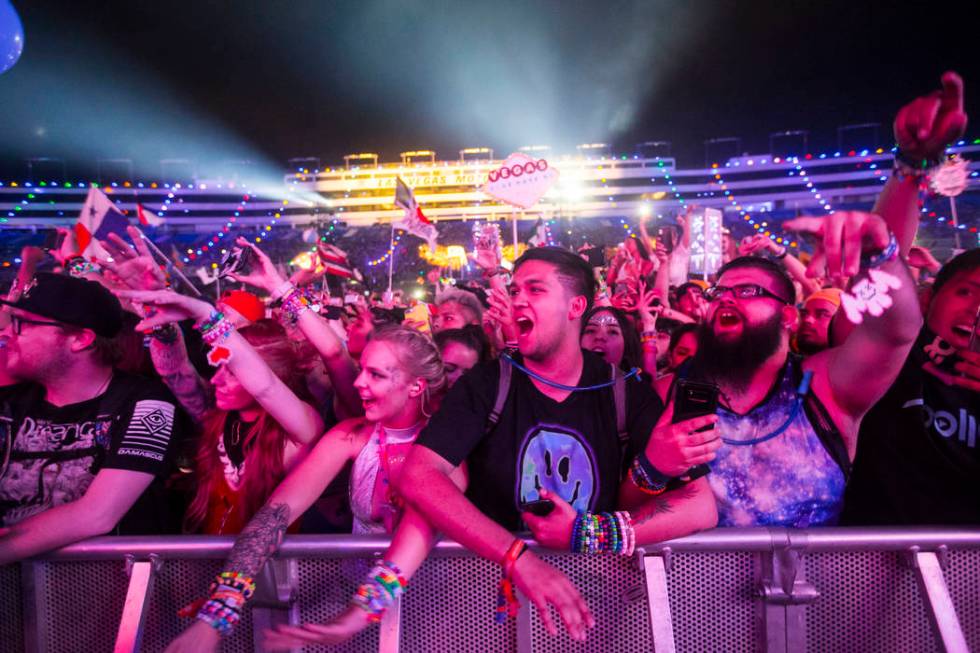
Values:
[(733, 361)]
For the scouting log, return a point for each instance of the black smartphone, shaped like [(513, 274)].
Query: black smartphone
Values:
[(387, 315), (694, 399), (596, 256), (53, 239), (237, 259), (332, 312), (540, 508)]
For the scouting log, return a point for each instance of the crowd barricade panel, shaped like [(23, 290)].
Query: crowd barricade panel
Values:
[(732, 590)]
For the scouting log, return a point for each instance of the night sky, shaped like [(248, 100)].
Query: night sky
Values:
[(147, 80)]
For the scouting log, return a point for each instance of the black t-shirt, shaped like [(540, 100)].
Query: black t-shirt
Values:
[(57, 450), (569, 447), (918, 460), (233, 437)]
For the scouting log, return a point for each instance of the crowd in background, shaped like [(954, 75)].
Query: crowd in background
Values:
[(599, 398)]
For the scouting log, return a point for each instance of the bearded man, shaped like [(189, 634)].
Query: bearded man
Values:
[(789, 426)]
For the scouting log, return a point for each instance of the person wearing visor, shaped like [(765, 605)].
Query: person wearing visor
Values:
[(813, 330), (83, 447)]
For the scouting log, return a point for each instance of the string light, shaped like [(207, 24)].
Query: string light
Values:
[(391, 250), (670, 183), (759, 226)]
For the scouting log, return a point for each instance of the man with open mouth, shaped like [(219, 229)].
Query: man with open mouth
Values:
[(550, 440)]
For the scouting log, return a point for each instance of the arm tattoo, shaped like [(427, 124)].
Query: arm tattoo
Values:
[(176, 371), (661, 504), (260, 539)]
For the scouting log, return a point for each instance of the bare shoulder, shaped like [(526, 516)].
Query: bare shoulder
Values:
[(351, 434)]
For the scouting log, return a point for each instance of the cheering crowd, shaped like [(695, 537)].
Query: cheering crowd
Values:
[(600, 404)]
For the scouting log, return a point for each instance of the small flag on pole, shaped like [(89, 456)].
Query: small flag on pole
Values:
[(99, 217), (147, 218), (414, 221)]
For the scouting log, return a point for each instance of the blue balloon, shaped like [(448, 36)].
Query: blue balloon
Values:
[(11, 36)]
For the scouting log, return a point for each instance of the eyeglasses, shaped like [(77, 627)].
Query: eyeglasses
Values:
[(742, 291), (16, 322)]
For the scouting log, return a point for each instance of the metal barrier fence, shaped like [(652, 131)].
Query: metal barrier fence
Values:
[(730, 590)]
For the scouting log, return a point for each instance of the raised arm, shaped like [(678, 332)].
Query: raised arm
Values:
[(169, 354), (337, 361), (793, 265), (298, 418), (881, 300), (923, 128)]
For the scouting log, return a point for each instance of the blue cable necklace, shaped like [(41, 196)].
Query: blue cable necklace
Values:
[(801, 392), (561, 386)]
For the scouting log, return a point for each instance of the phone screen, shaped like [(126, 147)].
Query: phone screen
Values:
[(694, 399)]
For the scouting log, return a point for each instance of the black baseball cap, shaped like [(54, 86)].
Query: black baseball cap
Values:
[(77, 302)]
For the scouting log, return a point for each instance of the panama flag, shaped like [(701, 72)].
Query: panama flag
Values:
[(414, 221), (147, 217), (99, 218)]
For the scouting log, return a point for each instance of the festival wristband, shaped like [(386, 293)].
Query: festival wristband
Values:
[(647, 477), (507, 603), (884, 256), (281, 291)]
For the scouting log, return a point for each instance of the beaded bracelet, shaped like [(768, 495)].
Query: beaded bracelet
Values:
[(214, 330), (603, 532), (884, 256), (919, 170), (647, 477), (228, 594), (384, 584), (78, 267), (294, 304)]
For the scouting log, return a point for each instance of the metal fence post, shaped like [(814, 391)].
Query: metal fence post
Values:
[(655, 568), (928, 568), (390, 633), (785, 593), (141, 575), (274, 601), (34, 604)]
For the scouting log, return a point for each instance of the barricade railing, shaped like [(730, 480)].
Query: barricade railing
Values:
[(765, 589)]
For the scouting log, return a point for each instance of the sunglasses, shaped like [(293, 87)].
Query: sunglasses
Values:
[(742, 291)]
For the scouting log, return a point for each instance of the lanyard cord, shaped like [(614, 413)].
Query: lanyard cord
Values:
[(801, 392), (561, 386)]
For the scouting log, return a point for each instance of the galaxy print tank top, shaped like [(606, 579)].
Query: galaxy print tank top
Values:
[(772, 469)]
